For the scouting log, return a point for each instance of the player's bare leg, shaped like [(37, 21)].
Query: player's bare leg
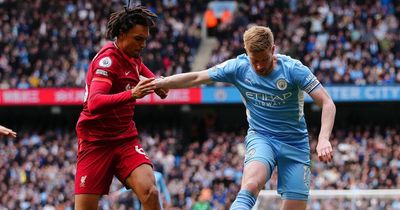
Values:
[(143, 183), (294, 205), (87, 202), (254, 177)]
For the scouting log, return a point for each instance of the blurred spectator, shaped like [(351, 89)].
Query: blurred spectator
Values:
[(51, 43), (37, 169), (203, 202), (342, 43), (211, 22)]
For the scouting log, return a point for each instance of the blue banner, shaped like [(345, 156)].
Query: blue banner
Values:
[(364, 93), (212, 95)]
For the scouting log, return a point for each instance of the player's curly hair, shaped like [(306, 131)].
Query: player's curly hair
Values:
[(123, 20)]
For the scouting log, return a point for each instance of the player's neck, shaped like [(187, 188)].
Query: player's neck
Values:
[(272, 66), (115, 44), (118, 45)]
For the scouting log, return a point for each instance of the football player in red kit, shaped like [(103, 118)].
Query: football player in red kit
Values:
[(108, 139)]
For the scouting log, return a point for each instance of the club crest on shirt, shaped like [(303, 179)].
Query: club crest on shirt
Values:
[(83, 181), (105, 62), (281, 84)]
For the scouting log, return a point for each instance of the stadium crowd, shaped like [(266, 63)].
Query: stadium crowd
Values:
[(37, 169), (343, 42), (51, 43)]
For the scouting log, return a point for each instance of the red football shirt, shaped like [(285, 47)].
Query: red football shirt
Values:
[(108, 106)]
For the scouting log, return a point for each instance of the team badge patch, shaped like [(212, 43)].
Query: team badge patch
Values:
[(105, 62), (281, 84)]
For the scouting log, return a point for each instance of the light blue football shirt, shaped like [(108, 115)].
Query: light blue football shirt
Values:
[(274, 103)]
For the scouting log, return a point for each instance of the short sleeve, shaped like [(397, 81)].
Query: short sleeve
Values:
[(304, 78), (223, 72)]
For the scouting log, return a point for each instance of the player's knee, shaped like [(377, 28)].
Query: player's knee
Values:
[(151, 194), (252, 186)]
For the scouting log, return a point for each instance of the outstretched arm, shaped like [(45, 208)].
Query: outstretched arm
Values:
[(184, 80), (100, 97), (322, 99)]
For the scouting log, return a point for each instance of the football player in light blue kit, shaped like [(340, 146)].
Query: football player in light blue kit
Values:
[(271, 86)]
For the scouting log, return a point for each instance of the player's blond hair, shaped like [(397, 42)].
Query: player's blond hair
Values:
[(258, 38)]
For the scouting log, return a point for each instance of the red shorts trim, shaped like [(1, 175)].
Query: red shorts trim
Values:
[(99, 161)]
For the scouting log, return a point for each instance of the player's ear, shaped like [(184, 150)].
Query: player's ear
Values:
[(121, 34)]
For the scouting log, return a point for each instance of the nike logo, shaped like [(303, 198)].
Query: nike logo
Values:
[(126, 73)]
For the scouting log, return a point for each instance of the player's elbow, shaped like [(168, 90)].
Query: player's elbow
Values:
[(200, 78), (93, 106), (329, 105), (196, 82)]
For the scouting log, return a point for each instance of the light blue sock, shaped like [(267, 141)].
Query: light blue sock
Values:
[(245, 200)]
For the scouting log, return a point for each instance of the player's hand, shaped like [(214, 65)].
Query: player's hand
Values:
[(144, 87), (324, 150), (7, 132), (161, 92)]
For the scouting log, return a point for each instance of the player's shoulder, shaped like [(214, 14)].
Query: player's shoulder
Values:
[(286, 62), (286, 59), (107, 58), (232, 64), (242, 60), (108, 52)]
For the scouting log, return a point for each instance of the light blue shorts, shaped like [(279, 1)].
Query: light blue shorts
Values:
[(293, 164)]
